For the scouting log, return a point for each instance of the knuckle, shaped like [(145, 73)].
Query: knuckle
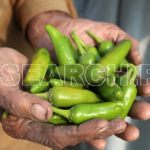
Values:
[(14, 127), (111, 26)]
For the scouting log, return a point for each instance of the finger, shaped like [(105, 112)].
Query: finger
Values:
[(98, 144), (26, 105), (115, 126), (111, 32), (140, 110), (130, 134), (118, 35), (20, 128), (56, 137), (143, 86), (59, 137), (10, 53)]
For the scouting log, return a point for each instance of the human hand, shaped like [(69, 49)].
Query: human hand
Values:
[(12, 97), (58, 137), (27, 110), (39, 38)]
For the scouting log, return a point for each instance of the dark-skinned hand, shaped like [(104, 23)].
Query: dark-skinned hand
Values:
[(28, 112), (95, 131)]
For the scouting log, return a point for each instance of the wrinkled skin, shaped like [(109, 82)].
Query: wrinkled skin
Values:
[(12, 96), (95, 131), (26, 111), (106, 31)]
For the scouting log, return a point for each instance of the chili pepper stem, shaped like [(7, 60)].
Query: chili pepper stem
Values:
[(79, 40), (44, 95), (80, 48), (135, 71), (62, 112), (129, 73), (96, 38)]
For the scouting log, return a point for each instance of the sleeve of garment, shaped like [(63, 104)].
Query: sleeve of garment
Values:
[(5, 19), (25, 10)]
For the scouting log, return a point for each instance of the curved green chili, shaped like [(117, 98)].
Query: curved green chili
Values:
[(74, 51), (110, 93), (84, 112), (129, 89), (62, 49), (39, 87), (38, 67), (57, 82), (57, 120), (114, 58), (67, 97), (103, 46)]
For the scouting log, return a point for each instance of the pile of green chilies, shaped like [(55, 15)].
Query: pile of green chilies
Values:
[(84, 84)]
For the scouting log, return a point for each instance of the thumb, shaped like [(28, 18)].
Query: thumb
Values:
[(26, 105)]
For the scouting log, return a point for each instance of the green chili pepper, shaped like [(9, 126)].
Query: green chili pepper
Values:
[(4, 116), (94, 74), (38, 67), (110, 93), (84, 112), (86, 57), (103, 46), (67, 97), (125, 64), (36, 50), (65, 72), (43, 95), (89, 49), (62, 49), (57, 82), (49, 69), (129, 89), (74, 51), (85, 74), (57, 120), (114, 58), (39, 87), (111, 79)]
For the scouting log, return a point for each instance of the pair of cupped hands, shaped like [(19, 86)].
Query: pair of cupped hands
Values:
[(27, 113)]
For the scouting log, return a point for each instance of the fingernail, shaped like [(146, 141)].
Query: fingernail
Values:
[(39, 112)]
